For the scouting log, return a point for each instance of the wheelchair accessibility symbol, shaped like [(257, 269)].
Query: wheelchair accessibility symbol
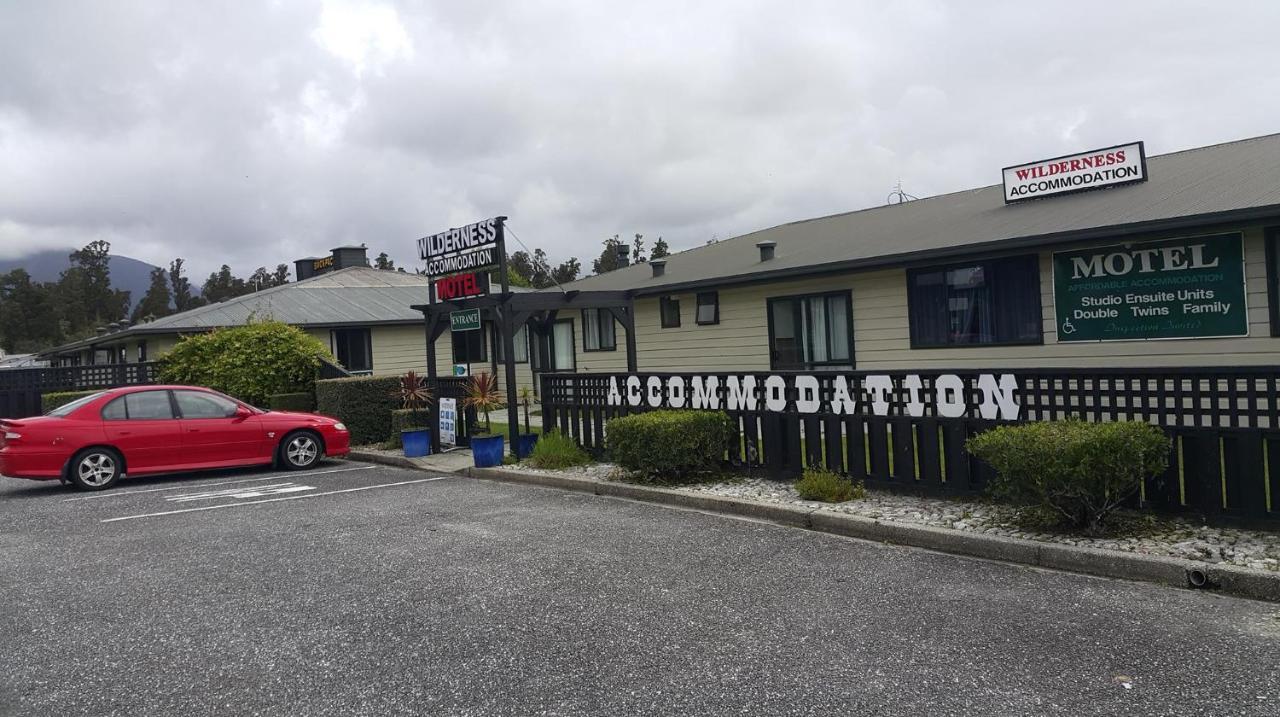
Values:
[(1068, 328)]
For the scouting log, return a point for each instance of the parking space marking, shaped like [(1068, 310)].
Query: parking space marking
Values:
[(241, 493), (118, 493), (271, 500)]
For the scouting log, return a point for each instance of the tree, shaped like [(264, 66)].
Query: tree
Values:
[(28, 320), (660, 249), (222, 285), (384, 262), (608, 260), (155, 303), (180, 288), (637, 250), (567, 271), (86, 299), (280, 276)]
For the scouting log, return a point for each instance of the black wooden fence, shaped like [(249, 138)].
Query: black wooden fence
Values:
[(21, 388), (1224, 422)]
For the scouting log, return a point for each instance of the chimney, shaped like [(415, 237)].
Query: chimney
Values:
[(101, 330), (345, 257), (766, 249), (659, 266), (624, 255), (304, 268)]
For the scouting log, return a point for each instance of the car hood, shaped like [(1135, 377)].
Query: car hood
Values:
[(300, 416)]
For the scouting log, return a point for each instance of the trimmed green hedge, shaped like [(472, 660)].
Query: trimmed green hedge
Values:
[(1079, 471), (56, 399), (364, 403), (670, 444), (402, 419), (303, 401)]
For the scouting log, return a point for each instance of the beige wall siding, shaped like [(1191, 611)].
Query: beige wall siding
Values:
[(882, 335)]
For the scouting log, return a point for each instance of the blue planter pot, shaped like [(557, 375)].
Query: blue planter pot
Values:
[(417, 443), (487, 451), (526, 444)]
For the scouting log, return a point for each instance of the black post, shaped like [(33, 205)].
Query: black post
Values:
[(433, 411), (508, 341)]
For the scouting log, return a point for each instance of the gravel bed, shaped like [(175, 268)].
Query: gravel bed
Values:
[(1166, 536)]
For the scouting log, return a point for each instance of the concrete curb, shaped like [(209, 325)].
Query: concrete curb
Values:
[(1223, 579), (383, 459)]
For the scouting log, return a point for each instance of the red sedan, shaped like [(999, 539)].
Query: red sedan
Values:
[(94, 441)]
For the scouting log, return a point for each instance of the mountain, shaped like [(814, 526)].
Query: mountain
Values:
[(128, 274)]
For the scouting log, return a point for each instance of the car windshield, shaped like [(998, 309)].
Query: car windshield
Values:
[(67, 408)]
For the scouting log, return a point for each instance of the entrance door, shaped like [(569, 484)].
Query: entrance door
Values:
[(554, 351)]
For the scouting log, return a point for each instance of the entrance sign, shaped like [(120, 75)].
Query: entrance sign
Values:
[(869, 395), (1109, 167), (1172, 289), (461, 286), (449, 421), (475, 246), (468, 320)]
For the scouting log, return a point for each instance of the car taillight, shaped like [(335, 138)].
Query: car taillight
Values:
[(11, 436)]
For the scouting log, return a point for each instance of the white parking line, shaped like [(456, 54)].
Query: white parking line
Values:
[(118, 493), (271, 500)]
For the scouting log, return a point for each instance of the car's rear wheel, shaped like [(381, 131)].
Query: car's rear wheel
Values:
[(95, 469), (300, 449)]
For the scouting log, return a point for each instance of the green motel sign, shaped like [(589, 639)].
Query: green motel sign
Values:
[(468, 320), (1171, 289)]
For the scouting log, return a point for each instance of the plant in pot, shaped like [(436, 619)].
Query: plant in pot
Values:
[(482, 395), (528, 438), (414, 396)]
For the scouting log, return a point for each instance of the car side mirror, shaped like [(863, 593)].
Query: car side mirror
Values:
[(243, 412)]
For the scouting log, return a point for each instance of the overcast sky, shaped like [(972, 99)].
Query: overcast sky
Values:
[(254, 133)]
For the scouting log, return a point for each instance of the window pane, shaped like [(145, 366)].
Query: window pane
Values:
[(522, 344), (562, 340), (351, 348), (591, 329), (838, 327), (608, 339), (148, 405), (786, 350), (196, 404), (670, 309), (114, 411), (816, 331), (989, 302), (708, 308)]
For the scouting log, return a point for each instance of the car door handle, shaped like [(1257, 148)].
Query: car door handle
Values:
[(193, 430)]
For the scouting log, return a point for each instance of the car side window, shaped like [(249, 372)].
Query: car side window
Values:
[(115, 411), (197, 404), (148, 406)]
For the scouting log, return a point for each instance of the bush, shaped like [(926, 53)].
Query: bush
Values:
[(823, 485), (670, 444), (57, 399), (556, 450), (1081, 471), (364, 403), (249, 362), (292, 402), (403, 419)]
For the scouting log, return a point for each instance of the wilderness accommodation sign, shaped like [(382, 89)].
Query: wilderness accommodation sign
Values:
[(1097, 168), (990, 396), (1177, 288), (475, 246)]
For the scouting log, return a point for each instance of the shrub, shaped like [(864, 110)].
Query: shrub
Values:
[(1081, 471), (670, 444), (556, 450), (57, 399), (404, 419), (301, 401), (249, 362), (482, 394), (829, 487), (364, 403)]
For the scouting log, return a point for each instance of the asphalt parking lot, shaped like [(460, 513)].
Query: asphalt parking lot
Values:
[(354, 589)]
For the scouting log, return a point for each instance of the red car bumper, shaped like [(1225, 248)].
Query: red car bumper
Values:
[(337, 443), (36, 465)]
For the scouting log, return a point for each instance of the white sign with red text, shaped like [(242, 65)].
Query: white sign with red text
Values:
[(1122, 164)]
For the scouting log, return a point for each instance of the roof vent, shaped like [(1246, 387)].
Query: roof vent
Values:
[(659, 266), (113, 327), (624, 255), (766, 249), (101, 330)]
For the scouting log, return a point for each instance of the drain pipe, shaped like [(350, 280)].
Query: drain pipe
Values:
[(1197, 578)]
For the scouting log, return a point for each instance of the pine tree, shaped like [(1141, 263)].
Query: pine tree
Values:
[(384, 262), (156, 301), (222, 285), (660, 249), (608, 260), (181, 288), (28, 320)]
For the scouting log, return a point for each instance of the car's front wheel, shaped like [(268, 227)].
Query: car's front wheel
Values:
[(300, 449), (95, 469)]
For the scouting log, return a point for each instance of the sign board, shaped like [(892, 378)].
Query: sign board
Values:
[(449, 421), (475, 246), (319, 265), (461, 286), (460, 370), (1171, 289), (467, 320), (1109, 167)]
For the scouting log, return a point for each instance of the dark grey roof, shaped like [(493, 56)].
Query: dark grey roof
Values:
[(1202, 185), (357, 295)]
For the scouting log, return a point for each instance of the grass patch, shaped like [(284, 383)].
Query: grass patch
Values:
[(554, 451), (829, 487)]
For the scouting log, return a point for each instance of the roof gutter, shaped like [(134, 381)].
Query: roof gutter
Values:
[(1114, 231)]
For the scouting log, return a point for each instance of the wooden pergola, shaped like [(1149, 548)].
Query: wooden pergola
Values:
[(511, 310)]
